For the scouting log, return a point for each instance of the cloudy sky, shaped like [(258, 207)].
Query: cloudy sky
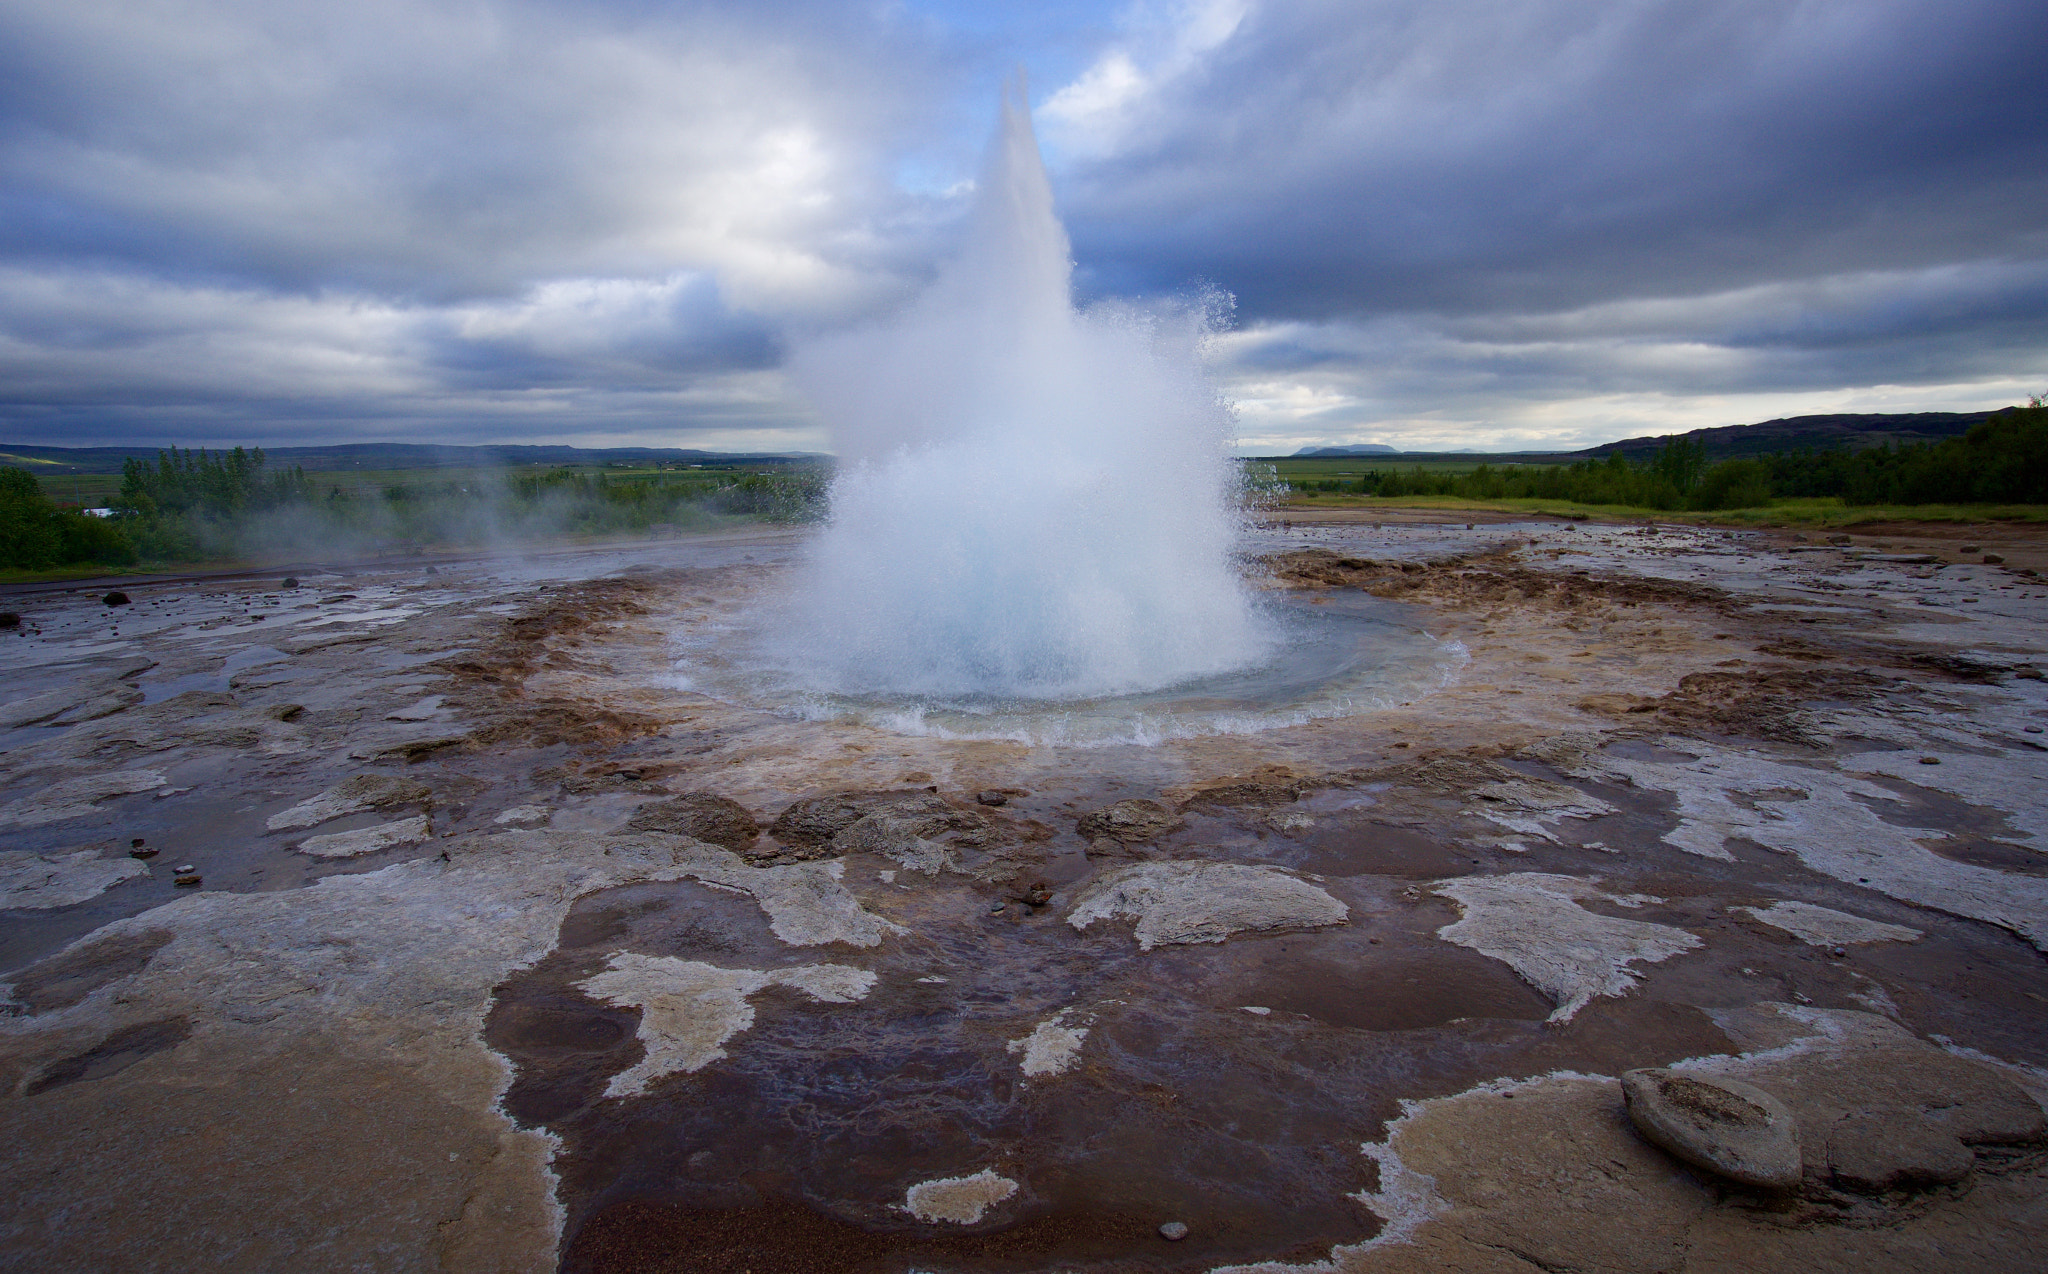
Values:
[(1447, 223)]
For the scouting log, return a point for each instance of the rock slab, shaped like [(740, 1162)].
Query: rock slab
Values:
[(1725, 1126)]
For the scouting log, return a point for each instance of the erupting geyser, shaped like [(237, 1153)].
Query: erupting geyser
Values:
[(1033, 502)]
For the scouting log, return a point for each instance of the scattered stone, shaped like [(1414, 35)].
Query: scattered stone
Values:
[(186, 880), (367, 840), (705, 816), (115, 598), (352, 796), (290, 581), (1533, 923), (1175, 1231), (1037, 895), (1129, 822), (1930, 760), (1822, 927), (958, 1200), (8, 619), (1195, 901), (140, 850), (1723, 1125), (1994, 559)]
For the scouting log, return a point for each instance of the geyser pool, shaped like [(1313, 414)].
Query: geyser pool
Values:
[(1034, 502), (1334, 655)]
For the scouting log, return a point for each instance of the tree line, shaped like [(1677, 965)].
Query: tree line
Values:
[(189, 506), (2003, 460)]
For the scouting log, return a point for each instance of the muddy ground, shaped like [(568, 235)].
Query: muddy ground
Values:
[(470, 941)]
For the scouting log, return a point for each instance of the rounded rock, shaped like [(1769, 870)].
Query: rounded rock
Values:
[(115, 598), (1173, 1231), (1725, 1126)]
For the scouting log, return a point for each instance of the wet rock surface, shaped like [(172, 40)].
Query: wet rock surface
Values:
[(705, 816), (1357, 990)]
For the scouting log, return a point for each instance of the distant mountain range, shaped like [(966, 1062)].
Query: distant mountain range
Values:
[(1847, 431), (1795, 433), (1810, 433), (399, 455), (1359, 449)]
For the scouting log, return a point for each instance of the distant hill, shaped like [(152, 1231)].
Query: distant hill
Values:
[(1357, 449), (1808, 433), (399, 455)]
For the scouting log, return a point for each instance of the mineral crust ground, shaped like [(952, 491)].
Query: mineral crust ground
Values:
[(499, 948)]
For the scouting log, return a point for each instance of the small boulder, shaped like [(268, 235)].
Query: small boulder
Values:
[(1726, 1126), (290, 581), (8, 619), (115, 598), (705, 816), (1129, 822)]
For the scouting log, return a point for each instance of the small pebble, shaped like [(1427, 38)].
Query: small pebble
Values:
[(1930, 760), (1173, 1231), (186, 882), (2031, 729), (188, 867), (1840, 953), (142, 851)]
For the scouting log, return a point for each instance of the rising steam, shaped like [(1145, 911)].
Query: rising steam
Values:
[(1033, 502)]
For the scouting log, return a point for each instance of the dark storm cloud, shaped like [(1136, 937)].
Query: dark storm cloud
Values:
[(1458, 222), (1473, 155), (494, 219)]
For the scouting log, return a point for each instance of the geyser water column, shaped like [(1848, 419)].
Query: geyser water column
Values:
[(1032, 502)]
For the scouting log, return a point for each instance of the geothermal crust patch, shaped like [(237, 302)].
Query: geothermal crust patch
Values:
[(501, 952)]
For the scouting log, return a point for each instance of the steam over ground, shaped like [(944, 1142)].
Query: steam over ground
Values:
[(1034, 501)]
